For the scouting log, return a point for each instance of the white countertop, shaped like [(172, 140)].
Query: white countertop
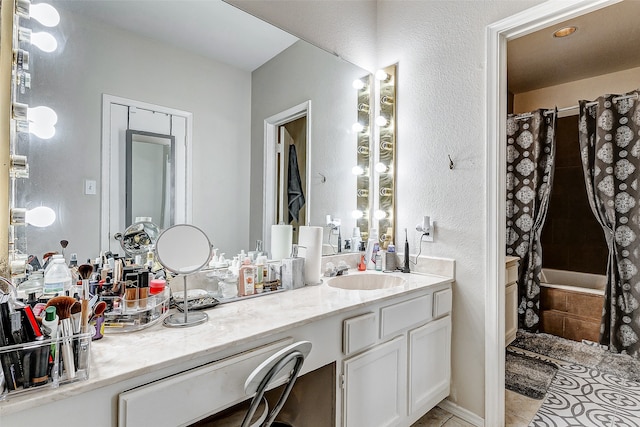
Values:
[(122, 356)]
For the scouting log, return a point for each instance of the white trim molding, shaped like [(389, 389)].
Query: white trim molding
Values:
[(271, 125), (526, 22)]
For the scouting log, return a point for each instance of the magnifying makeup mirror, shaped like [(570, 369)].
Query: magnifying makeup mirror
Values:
[(184, 249)]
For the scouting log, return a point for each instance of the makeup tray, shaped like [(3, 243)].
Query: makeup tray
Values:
[(129, 315), (39, 365)]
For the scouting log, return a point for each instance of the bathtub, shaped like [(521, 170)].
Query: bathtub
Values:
[(571, 304), (573, 281)]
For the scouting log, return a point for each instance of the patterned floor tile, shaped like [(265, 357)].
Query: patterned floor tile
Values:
[(584, 397)]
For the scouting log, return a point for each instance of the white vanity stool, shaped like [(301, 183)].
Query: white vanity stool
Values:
[(281, 368)]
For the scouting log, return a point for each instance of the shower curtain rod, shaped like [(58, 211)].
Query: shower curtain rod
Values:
[(573, 107)]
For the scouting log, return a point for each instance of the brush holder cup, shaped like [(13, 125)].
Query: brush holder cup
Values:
[(39, 365)]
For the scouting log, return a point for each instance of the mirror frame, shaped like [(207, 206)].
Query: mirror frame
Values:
[(170, 192), (6, 57)]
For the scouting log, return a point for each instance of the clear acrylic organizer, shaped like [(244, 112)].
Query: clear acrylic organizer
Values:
[(38, 365), (128, 315)]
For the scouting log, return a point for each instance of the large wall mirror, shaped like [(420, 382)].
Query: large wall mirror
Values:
[(170, 54)]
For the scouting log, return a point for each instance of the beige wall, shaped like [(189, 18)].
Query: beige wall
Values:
[(568, 94)]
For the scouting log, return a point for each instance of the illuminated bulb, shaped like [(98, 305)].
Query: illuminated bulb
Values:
[(381, 75), (44, 41), (381, 121), (380, 214), (358, 84), (357, 170), (357, 214), (42, 216), (46, 14), (42, 121), (381, 167), (357, 127)]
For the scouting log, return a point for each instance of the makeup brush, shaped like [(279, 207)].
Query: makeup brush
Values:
[(85, 271), (98, 310), (63, 306), (64, 244), (76, 310)]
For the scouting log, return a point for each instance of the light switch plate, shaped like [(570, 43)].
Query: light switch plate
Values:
[(89, 186)]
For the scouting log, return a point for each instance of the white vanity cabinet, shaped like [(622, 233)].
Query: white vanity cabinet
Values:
[(511, 300), (387, 353), (394, 379)]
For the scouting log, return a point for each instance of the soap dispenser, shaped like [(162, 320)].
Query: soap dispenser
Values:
[(292, 274)]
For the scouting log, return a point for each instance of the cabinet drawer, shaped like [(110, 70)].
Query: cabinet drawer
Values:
[(192, 395), (442, 301), (398, 317), (359, 332)]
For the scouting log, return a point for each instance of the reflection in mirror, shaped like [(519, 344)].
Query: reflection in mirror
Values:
[(229, 98), (150, 177), (386, 159)]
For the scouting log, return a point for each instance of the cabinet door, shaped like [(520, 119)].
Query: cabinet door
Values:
[(511, 313), (429, 364), (375, 386)]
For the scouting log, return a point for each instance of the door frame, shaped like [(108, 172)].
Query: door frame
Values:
[(497, 35), (271, 125), (111, 148)]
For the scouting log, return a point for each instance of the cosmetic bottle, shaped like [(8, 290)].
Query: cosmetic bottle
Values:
[(261, 265), (50, 322), (356, 238), (373, 246), (57, 278), (362, 265), (246, 278)]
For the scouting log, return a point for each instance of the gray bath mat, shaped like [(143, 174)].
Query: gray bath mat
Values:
[(620, 365), (527, 375)]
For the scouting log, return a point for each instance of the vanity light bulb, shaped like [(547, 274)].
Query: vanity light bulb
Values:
[(357, 214), (357, 170), (381, 75), (42, 216), (381, 121), (42, 131), (42, 122), (44, 41), (358, 84), (46, 14), (380, 214), (381, 167), (357, 127)]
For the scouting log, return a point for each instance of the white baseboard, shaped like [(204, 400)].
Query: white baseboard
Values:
[(461, 413)]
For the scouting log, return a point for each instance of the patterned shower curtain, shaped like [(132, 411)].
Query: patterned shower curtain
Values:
[(610, 147), (530, 164)]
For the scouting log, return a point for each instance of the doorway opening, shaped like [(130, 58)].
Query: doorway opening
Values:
[(528, 21), (287, 181)]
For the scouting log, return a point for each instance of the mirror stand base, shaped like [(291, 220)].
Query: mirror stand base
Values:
[(182, 320)]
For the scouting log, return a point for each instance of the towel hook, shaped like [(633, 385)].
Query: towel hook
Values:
[(450, 162), (323, 179)]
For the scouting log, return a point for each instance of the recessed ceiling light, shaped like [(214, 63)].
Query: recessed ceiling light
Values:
[(564, 32)]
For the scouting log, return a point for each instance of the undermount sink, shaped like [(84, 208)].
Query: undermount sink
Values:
[(365, 282)]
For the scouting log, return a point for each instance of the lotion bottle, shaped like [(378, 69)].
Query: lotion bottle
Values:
[(246, 278)]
